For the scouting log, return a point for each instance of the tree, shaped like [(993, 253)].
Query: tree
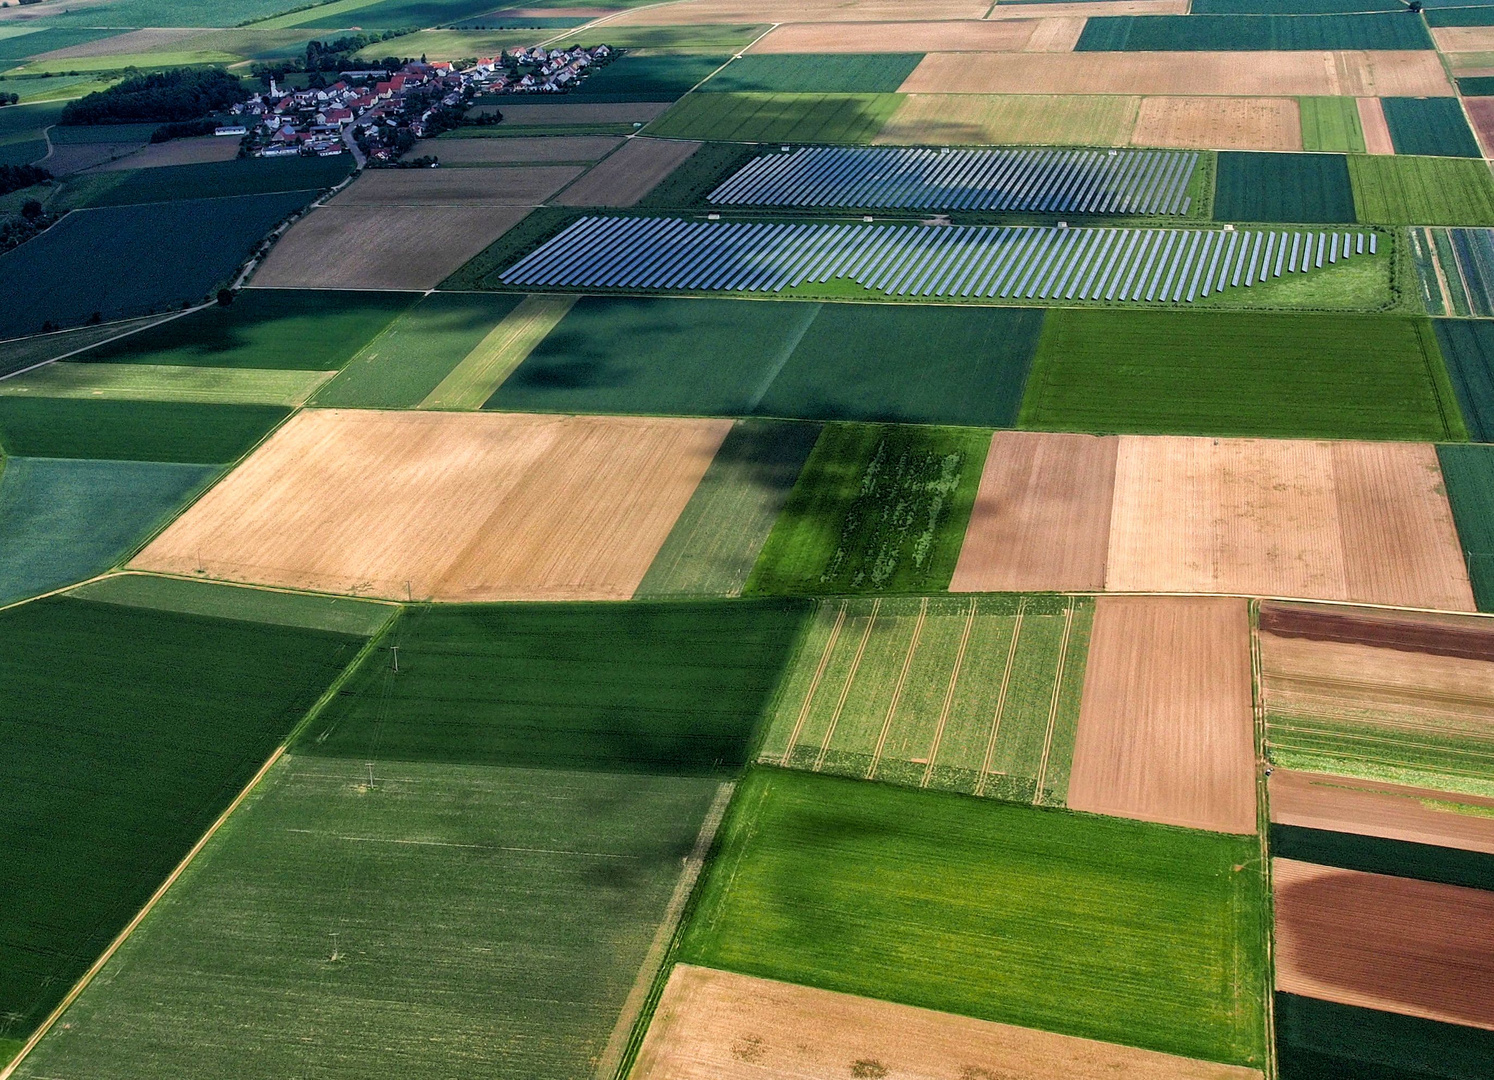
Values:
[(225, 297), (31, 209)]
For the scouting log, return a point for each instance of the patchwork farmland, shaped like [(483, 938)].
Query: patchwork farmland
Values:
[(770, 541)]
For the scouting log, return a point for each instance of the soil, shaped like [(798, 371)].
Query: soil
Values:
[(1376, 130), (457, 187), (517, 150), (1445, 635), (1219, 123), (629, 174), (1371, 808)]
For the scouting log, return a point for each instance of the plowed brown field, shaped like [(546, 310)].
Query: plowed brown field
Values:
[(968, 35), (1042, 119), (629, 174), (715, 1025), (1214, 123), (1166, 731), (1481, 114), (457, 187), (1022, 10), (1237, 74), (1371, 808), (1455, 39), (1376, 130), (1274, 517), (1387, 943), (196, 151), (1437, 633), (1042, 515), (517, 150), (447, 506)]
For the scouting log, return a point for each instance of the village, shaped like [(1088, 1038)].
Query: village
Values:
[(377, 114)]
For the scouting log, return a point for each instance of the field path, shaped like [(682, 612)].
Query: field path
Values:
[(478, 376)]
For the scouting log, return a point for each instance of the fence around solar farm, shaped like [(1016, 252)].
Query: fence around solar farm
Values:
[(982, 261), (1031, 180)]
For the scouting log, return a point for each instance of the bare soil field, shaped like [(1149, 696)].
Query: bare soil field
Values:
[(517, 151), (716, 1025), (382, 247), (1365, 522), (629, 174), (695, 12), (1217, 123), (1042, 515), (1456, 39), (1481, 116), (65, 160), (1436, 633), (134, 42), (580, 112), (447, 506), (1376, 130), (196, 151), (1166, 731), (457, 187), (970, 35), (1388, 943), (1041, 119), (1371, 808), (1102, 7), (1237, 74)]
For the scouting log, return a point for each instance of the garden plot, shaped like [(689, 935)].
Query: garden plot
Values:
[(1166, 731), (1219, 123), (977, 695), (1044, 119), (1412, 815), (706, 1017), (452, 506), (1004, 35), (629, 174)]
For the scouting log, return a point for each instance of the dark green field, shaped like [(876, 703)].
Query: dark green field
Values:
[(1378, 855), (1283, 187), (814, 73), (1218, 373), (391, 14), (132, 430), (1422, 190), (1320, 1040), (47, 39), (1479, 85), (1468, 472), (1293, 7), (658, 77), (1468, 348), (211, 180), (283, 329), (826, 118), (878, 508), (1085, 925), (1253, 33), (127, 732), (661, 687), (1460, 16), (1432, 126)]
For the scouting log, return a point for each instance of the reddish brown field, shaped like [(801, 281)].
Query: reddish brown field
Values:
[(447, 506), (1376, 130), (1166, 730), (1438, 634), (629, 174), (1387, 943), (1219, 123), (715, 1025), (1042, 515), (1372, 808), (969, 35), (1481, 114)]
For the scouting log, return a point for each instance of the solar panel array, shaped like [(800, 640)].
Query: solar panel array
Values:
[(911, 260), (1042, 181)]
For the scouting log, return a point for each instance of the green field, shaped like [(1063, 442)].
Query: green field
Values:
[(1468, 348), (655, 77), (1220, 373), (445, 920), (46, 39), (1433, 126), (150, 382), (1331, 125), (1422, 190), (702, 36), (1316, 1039), (1468, 472), (127, 732), (1085, 925), (1283, 187), (1253, 33), (136, 13), (210, 180), (397, 369), (814, 73), (1381, 855), (818, 118), (65, 520), (285, 329), (976, 695), (20, 353), (717, 537), (339, 614), (132, 430), (876, 509), (651, 687)]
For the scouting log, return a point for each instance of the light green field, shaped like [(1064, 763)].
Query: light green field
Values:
[(976, 695), (1331, 124), (153, 61), (20, 353), (829, 118), (492, 360), (161, 382), (340, 614), (1399, 190)]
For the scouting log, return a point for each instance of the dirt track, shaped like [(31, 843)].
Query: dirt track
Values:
[(1386, 943), (1207, 123), (461, 506), (1166, 729), (715, 1025), (1371, 808)]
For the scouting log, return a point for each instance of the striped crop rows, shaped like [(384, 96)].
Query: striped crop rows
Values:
[(1473, 254), (1056, 181), (914, 260)]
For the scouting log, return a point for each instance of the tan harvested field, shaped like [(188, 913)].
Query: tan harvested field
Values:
[(134, 42), (717, 1025), (447, 506), (1388, 943), (966, 35), (1365, 522), (1462, 39), (1468, 65), (517, 151), (1481, 116), (1376, 130), (382, 247), (1371, 808), (987, 119), (629, 174), (1042, 515), (176, 152), (1219, 123), (1094, 7), (457, 187), (708, 12), (1236, 74), (1166, 730), (581, 112)]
